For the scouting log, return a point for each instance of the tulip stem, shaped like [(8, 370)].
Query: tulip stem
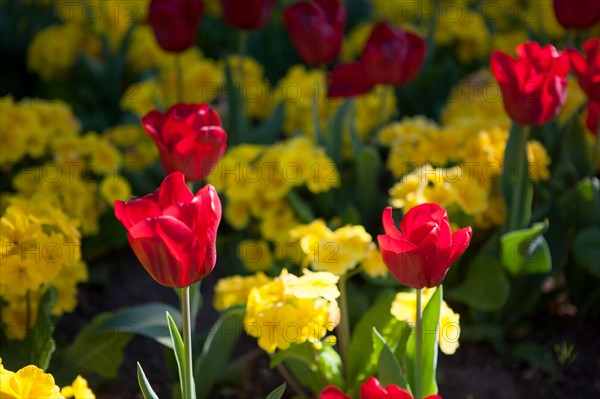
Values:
[(344, 326), (515, 177), (179, 77), (189, 391), (419, 338)]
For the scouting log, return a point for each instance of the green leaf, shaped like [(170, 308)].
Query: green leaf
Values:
[(486, 286), (362, 359), (389, 370), (429, 347), (536, 355), (217, 349), (267, 132), (147, 390), (586, 250), (300, 207), (147, 320), (238, 123), (277, 393), (334, 142), (525, 250), (177, 347), (581, 206), (38, 345), (368, 167)]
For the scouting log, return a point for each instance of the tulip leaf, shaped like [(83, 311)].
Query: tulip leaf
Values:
[(517, 188), (363, 355), (429, 347), (145, 387), (586, 250), (300, 207), (277, 393), (368, 167), (335, 134), (267, 132), (486, 286), (238, 123), (389, 370), (38, 345), (217, 349), (177, 348), (526, 250)]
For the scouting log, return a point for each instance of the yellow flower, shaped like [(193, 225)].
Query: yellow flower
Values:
[(54, 49), (254, 88), (237, 214), (202, 81), (576, 98), (404, 308), (29, 382), (323, 174), (114, 188), (292, 310), (538, 160), (470, 196), (231, 291), (255, 255), (354, 42), (373, 263), (78, 390), (144, 52), (142, 97)]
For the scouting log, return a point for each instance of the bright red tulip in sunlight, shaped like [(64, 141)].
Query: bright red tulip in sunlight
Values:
[(593, 116), (172, 232), (577, 14), (189, 138), (247, 14), (421, 252), (372, 389), (534, 86), (174, 22), (316, 29), (588, 69)]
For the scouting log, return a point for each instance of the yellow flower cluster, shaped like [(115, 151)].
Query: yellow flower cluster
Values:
[(292, 309), (232, 291), (136, 146), (472, 138), (32, 382), (254, 88), (255, 254), (336, 251), (202, 81), (404, 308), (304, 93), (40, 248), (256, 180)]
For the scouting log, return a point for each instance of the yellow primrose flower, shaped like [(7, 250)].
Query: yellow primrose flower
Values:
[(538, 160), (231, 291), (54, 49), (292, 310), (114, 188), (373, 264), (28, 382), (78, 390), (237, 214), (404, 308)]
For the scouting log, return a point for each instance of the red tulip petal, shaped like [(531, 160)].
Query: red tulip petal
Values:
[(593, 117), (421, 215), (388, 224), (173, 190), (132, 212), (332, 392), (395, 392), (460, 241), (348, 80), (403, 261), (204, 116), (153, 122), (503, 66)]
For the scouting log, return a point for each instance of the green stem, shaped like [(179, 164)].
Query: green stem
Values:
[(189, 391), (179, 77), (419, 341), (515, 179), (344, 326)]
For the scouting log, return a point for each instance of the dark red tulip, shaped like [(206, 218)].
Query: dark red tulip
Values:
[(593, 116), (189, 138), (420, 254), (372, 389), (174, 22), (247, 14), (588, 69), (172, 232), (392, 55), (577, 14), (534, 86), (316, 29)]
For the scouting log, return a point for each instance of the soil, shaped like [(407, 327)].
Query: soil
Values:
[(476, 371)]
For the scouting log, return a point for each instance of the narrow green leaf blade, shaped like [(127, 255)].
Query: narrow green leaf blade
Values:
[(177, 347), (389, 370), (278, 392), (147, 390)]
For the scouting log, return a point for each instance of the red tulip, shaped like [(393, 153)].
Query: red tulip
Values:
[(392, 56), (577, 14), (593, 116), (316, 29), (588, 70), (534, 86), (420, 255), (247, 14), (174, 22), (372, 389), (189, 138), (172, 232)]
